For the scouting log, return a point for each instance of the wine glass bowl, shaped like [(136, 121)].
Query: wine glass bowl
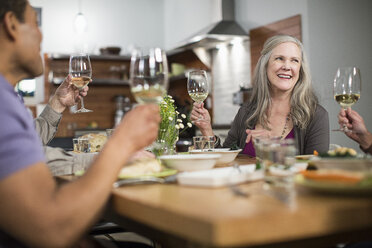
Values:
[(197, 86), (80, 70), (148, 75), (346, 88)]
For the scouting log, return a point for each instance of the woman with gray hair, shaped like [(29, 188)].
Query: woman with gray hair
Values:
[(283, 103)]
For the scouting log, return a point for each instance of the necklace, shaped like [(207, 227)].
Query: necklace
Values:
[(285, 126)]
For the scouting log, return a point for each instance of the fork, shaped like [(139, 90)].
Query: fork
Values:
[(133, 181), (145, 180)]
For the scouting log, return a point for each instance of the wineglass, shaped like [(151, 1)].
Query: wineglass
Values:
[(149, 80), (81, 72), (148, 75), (346, 89), (197, 86)]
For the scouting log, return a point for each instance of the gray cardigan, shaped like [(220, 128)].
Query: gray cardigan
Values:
[(314, 137), (59, 161)]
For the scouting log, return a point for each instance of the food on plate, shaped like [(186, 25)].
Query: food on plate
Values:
[(304, 157), (340, 152), (141, 167), (96, 141), (334, 175)]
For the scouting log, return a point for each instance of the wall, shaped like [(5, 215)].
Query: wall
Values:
[(183, 18), (231, 69), (254, 13), (123, 23), (335, 33), (341, 36)]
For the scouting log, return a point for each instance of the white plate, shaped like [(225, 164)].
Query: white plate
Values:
[(353, 164), (333, 188), (220, 176), (227, 156), (190, 162)]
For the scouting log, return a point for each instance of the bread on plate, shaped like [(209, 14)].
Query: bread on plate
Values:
[(96, 141)]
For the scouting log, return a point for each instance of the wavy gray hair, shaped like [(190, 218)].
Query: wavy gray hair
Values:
[(303, 100)]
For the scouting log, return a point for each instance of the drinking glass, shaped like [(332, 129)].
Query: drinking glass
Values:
[(203, 143), (197, 86), (346, 89), (278, 157), (81, 72), (149, 81), (81, 145), (148, 75)]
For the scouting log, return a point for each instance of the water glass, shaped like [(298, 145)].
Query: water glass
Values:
[(278, 158), (81, 145), (258, 143), (203, 143), (109, 132)]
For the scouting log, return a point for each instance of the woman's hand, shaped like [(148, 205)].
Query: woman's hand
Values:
[(201, 118), (253, 133)]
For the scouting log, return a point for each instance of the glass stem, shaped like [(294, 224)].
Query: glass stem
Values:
[(82, 102), (201, 117), (344, 127)]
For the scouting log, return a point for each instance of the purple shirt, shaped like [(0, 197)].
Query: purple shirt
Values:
[(249, 149), (20, 145)]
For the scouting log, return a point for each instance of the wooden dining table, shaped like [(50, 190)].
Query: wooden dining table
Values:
[(184, 216)]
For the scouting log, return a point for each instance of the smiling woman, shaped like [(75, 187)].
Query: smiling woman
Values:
[(282, 104), (284, 67)]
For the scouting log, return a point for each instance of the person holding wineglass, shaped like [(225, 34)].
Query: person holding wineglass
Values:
[(354, 122), (36, 211), (283, 103), (65, 96)]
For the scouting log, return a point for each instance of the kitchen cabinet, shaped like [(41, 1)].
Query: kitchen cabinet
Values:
[(110, 79)]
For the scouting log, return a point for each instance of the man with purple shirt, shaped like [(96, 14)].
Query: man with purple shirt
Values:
[(34, 211)]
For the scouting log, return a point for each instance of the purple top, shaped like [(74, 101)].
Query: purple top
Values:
[(20, 145), (249, 149)]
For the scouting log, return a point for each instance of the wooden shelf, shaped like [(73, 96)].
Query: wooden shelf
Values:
[(113, 81), (56, 56), (96, 81)]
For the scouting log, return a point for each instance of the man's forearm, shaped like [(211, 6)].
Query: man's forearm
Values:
[(46, 124)]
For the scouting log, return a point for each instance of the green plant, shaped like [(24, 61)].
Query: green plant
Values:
[(171, 124)]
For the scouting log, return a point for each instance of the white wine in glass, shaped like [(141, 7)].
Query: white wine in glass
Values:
[(346, 89), (81, 72), (197, 86), (148, 75)]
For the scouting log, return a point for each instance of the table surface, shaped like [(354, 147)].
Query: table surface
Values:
[(184, 216)]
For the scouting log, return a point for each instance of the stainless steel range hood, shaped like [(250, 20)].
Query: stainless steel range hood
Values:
[(223, 31)]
